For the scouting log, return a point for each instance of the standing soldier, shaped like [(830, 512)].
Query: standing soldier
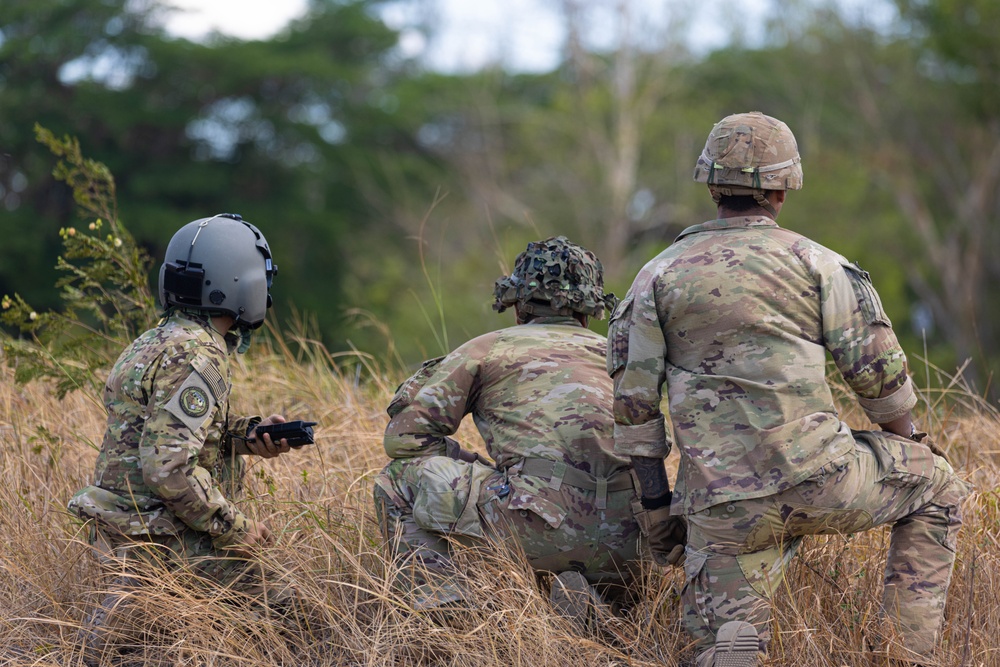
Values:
[(172, 458), (735, 320), (540, 396)]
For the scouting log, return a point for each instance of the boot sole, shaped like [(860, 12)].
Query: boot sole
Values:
[(736, 645)]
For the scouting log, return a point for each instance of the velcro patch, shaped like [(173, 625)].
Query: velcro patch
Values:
[(192, 403), (209, 372)]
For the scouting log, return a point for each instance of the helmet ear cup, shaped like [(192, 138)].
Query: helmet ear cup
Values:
[(183, 283)]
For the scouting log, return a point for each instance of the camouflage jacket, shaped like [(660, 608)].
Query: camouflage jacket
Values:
[(167, 463), (735, 320), (534, 390)]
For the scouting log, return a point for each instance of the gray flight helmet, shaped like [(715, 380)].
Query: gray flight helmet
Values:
[(220, 266)]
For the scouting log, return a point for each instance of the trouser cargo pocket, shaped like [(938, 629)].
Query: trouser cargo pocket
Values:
[(446, 496), (902, 462)]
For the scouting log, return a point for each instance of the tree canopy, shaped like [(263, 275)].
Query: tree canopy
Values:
[(395, 195)]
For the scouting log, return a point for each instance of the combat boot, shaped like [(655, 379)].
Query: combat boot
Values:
[(98, 632), (736, 645), (574, 598)]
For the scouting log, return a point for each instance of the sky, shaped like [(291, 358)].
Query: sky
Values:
[(525, 35)]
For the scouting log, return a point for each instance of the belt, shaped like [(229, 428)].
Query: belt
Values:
[(558, 473)]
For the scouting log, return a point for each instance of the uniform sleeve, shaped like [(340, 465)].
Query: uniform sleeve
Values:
[(431, 404), (637, 364), (187, 397), (859, 335)]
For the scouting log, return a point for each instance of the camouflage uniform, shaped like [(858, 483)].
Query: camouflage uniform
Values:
[(542, 402), (735, 320), (167, 469)]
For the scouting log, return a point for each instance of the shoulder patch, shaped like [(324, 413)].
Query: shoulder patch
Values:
[(618, 335), (192, 403), (212, 377)]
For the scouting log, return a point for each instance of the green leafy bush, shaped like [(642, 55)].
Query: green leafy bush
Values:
[(107, 300)]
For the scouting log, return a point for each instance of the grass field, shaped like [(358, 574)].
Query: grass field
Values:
[(318, 502)]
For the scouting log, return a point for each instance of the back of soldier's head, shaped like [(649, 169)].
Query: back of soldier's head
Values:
[(554, 277)]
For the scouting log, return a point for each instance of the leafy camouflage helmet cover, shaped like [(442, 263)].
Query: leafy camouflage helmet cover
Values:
[(747, 153), (555, 277)]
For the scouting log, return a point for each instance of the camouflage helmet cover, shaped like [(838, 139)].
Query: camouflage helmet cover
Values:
[(555, 277), (747, 153)]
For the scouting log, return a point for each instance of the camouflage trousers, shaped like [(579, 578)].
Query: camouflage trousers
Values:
[(737, 553), (132, 563), (427, 505), (192, 553)]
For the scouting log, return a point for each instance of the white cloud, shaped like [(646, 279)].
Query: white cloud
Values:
[(523, 35), (245, 19)]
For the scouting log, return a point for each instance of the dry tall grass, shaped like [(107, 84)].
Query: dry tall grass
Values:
[(317, 500)]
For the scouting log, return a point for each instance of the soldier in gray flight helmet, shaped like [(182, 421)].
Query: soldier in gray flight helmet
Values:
[(542, 401), (219, 266), (168, 474), (734, 321)]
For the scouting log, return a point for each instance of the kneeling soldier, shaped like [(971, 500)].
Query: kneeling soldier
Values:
[(541, 398)]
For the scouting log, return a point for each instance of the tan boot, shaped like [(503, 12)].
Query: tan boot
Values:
[(736, 645)]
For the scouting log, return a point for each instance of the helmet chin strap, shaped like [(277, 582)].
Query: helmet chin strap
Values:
[(765, 204), (759, 196)]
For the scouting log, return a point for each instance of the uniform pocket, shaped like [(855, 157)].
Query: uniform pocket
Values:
[(408, 389), (693, 563), (785, 523), (553, 515), (901, 461), (765, 570), (618, 335), (446, 496), (864, 291)]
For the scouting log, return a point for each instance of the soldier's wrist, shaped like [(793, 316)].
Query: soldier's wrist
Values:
[(656, 502), (235, 534)]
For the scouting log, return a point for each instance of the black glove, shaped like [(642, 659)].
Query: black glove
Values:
[(453, 450), (665, 534)]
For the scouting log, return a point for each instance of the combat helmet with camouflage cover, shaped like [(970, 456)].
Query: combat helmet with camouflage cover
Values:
[(747, 154), (555, 277), (219, 266)]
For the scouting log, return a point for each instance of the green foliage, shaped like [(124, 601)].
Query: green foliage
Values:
[(403, 194), (298, 133), (104, 287), (962, 34)]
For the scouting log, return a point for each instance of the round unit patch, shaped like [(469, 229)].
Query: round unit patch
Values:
[(194, 402)]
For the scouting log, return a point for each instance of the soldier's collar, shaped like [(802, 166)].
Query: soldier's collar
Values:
[(743, 222), (555, 319), (225, 340)]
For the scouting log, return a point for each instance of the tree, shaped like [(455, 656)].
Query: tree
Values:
[(276, 130)]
